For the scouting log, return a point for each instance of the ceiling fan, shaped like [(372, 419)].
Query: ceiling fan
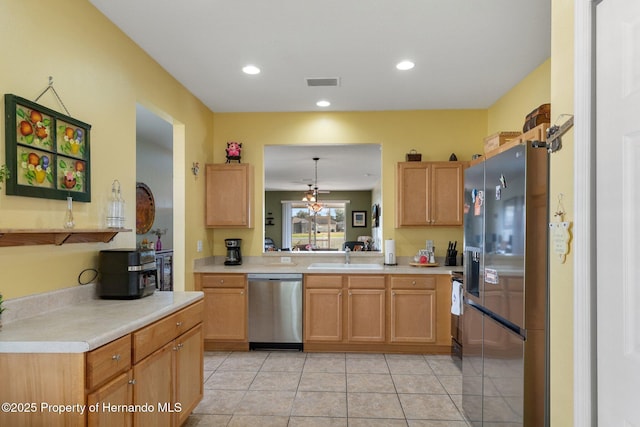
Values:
[(311, 195)]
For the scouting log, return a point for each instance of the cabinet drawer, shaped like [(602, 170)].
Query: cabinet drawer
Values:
[(223, 280), (152, 337), (365, 282), (413, 282), (322, 281), (107, 361)]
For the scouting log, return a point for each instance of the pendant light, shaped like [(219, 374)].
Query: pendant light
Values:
[(315, 206)]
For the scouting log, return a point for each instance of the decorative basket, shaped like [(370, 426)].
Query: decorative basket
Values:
[(414, 156)]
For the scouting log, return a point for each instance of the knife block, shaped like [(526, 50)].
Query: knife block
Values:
[(450, 260)]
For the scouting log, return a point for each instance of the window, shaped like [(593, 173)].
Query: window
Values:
[(305, 230)]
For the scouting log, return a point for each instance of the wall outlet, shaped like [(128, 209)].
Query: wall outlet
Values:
[(285, 260), (199, 246)]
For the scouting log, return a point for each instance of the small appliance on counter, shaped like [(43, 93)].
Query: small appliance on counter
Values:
[(127, 273), (234, 256)]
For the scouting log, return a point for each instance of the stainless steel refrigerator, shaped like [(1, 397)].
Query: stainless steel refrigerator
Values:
[(504, 317)]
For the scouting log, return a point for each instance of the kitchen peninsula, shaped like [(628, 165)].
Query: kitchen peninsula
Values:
[(363, 306), (64, 365)]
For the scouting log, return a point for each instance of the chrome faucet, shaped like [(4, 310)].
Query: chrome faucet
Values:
[(347, 255)]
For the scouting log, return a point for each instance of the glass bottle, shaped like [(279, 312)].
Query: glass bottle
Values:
[(112, 213), (68, 219), (120, 208)]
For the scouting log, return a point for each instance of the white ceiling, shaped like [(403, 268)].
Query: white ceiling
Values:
[(468, 53)]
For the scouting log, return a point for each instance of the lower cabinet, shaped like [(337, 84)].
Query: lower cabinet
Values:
[(323, 308), (413, 309), (159, 368), (225, 306), (390, 313), (117, 392)]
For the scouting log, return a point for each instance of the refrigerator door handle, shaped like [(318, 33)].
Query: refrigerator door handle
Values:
[(501, 320)]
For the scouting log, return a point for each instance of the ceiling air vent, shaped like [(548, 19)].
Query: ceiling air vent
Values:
[(324, 81)]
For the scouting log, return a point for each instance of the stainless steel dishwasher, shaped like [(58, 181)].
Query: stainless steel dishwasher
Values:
[(275, 311)]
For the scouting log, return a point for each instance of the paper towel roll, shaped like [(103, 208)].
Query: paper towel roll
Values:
[(390, 252)]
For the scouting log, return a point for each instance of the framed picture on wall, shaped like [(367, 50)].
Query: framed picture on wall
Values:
[(47, 152), (359, 218)]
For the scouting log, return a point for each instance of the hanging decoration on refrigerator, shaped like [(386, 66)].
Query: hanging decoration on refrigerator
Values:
[(560, 232)]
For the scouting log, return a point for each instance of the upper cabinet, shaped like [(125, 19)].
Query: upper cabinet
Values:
[(429, 193), (229, 195)]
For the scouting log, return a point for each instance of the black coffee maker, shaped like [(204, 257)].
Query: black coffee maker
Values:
[(234, 256)]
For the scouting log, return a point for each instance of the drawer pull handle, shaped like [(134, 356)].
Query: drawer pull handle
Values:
[(115, 357), (132, 381), (178, 324)]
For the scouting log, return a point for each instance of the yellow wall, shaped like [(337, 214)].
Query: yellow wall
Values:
[(509, 112), (100, 74), (435, 134), (561, 275)]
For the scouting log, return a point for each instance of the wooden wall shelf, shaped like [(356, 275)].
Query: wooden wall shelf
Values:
[(56, 236)]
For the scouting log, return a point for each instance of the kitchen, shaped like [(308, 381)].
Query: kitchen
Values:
[(64, 262)]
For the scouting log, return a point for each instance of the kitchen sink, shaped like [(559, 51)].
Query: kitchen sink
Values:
[(343, 266)]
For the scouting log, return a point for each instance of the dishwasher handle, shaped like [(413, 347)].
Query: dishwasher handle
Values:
[(275, 276)]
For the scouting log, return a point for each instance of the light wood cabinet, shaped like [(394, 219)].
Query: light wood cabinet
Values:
[(325, 308), (189, 386), (117, 392), (160, 365), (365, 308), (225, 307), (429, 194), (154, 385), (229, 195), (413, 309)]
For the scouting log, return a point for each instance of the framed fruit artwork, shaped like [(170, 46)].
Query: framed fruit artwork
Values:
[(47, 153)]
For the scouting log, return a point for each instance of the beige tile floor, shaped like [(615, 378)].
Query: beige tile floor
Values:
[(273, 388)]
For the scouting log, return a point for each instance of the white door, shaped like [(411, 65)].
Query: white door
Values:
[(618, 211)]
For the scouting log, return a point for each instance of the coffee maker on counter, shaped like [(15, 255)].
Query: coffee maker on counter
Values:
[(234, 256)]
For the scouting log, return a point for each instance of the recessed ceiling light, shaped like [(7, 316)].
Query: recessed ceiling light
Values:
[(251, 69), (323, 103), (405, 65)]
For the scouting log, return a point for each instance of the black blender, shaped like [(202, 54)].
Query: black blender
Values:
[(234, 256)]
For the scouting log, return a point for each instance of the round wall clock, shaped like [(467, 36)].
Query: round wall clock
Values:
[(145, 208)]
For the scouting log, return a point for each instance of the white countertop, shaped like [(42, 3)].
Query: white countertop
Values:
[(300, 265), (88, 325)]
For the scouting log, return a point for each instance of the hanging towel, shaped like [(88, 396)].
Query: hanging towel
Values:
[(456, 298)]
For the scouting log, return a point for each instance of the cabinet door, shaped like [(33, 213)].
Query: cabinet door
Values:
[(189, 372), (366, 315), (413, 315), (413, 203), (117, 392), (225, 314), (323, 315), (154, 386), (228, 195), (447, 187)]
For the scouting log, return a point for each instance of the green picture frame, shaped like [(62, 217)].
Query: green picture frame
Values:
[(47, 153)]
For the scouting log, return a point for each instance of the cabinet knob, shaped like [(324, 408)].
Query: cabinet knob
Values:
[(115, 357), (340, 293), (132, 381), (241, 292), (393, 294), (180, 346), (413, 283), (221, 281), (350, 294), (178, 324)]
